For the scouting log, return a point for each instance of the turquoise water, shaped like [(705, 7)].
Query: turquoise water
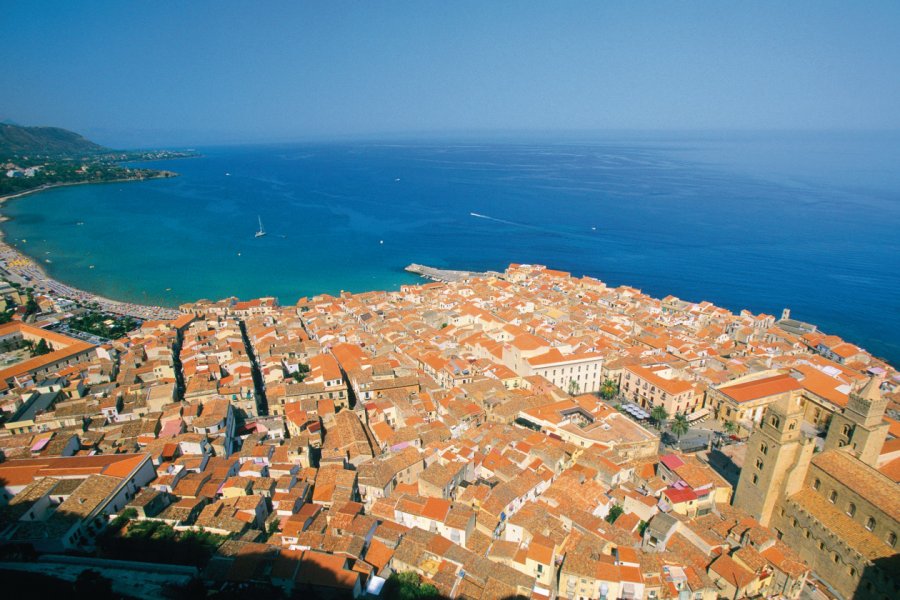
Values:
[(758, 222)]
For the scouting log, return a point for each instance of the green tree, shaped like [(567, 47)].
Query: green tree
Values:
[(274, 525), (609, 389), (31, 306), (659, 415), (614, 513), (407, 585), (729, 427), (680, 425), (573, 387), (42, 348)]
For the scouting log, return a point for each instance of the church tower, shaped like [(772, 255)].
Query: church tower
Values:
[(861, 424), (778, 454)]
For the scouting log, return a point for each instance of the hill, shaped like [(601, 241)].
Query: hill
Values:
[(16, 140)]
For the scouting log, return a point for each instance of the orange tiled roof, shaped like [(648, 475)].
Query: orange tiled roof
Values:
[(760, 388)]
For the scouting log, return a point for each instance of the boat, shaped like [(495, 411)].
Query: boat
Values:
[(261, 231)]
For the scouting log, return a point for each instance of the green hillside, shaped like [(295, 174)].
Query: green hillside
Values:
[(50, 141)]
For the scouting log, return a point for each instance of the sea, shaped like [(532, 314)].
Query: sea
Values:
[(762, 221)]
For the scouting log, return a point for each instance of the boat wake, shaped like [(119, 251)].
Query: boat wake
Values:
[(548, 230), (480, 216)]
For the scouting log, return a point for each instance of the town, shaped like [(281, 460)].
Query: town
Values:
[(518, 434)]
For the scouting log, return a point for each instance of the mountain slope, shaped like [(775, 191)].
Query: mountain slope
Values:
[(44, 140)]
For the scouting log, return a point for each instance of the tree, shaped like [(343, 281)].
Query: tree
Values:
[(614, 513), (680, 425), (609, 389), (31, 306), (301, 373), (729, 426), (42, 348), (407, 585), (573, 387), (659, 415), (273, 528)]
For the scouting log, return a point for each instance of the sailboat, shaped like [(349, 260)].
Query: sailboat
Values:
[(261, 231)]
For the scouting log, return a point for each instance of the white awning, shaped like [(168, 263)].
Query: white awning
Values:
[(698, 414)]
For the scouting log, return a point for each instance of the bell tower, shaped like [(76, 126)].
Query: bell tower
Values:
[(778, 454), (861, 424)]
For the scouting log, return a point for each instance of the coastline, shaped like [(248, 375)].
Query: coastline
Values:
[(22, 269), (50, 186)]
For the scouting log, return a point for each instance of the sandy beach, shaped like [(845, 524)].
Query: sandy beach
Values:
[(19, 268)]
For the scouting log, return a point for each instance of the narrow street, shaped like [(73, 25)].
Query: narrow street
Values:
[(262, 403)]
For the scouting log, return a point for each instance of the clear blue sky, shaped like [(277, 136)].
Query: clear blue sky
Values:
[(135, 73)]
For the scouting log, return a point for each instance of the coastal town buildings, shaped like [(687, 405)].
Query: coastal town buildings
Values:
[(475, 433)]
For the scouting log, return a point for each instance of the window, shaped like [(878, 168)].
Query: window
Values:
[(851, 509), (817, 484), (852, 572), (764, 448), (870, 523), (759, 463), (821, 545), (775, 421), (834, 557), (892, 539), (832, 497), (845, 430)]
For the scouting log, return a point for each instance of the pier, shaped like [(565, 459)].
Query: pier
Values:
[(445, 275)]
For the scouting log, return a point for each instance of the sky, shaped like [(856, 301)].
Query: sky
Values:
[(141, 73)]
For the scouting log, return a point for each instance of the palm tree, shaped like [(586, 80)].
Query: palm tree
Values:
[(609, 389), (573, 387), (680, 425), (659, 415)]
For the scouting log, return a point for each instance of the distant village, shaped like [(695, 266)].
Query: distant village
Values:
[(521, 434)]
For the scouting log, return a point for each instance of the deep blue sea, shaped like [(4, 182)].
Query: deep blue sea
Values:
[(763, 221)]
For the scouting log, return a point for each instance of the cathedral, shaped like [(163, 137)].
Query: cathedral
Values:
[(832, 506)]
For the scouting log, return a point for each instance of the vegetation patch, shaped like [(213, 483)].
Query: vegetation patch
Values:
[(155, 541)]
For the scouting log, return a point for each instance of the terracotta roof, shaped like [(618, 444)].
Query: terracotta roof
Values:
[(851, 532), (22, 471), (731, 571), (873, 486), (760, 388), (892, 470)]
